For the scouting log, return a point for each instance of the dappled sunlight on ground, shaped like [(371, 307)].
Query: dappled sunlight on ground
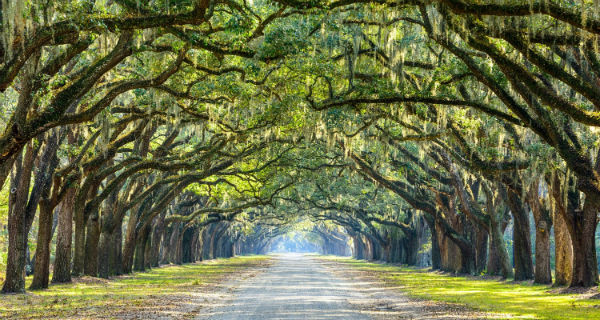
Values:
[(167, 292), (306, 287), (295, 287), (514, 300), (384, 301)]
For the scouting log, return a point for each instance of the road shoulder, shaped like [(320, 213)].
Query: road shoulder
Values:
[(383, 300)]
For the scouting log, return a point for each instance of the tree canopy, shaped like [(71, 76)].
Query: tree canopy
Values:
[(215, 127)]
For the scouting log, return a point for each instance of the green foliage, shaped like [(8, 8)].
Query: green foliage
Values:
[(348, 115)]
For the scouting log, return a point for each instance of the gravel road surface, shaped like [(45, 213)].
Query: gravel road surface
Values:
[(296, 286)]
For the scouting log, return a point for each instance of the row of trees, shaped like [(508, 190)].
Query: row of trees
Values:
[(122, 121), (211, 126)]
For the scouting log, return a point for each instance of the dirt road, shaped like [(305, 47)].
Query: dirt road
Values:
[(297, 286), (294, 287)]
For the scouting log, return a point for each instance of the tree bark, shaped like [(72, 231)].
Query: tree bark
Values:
[(481, 249), (563, 244), (140, 250), (435, 247), (563, 252), (359, 248), (543, 224), (458, 254), (543, 271), (64, 238), (17, 223), (79, 252), (116, 257), (521, 238), (129, 247), (91, 246), (104, 252), (585, 263), (157, 240), (581, 224), (498, 262), (148, 249), (42, 251), (411, 248)]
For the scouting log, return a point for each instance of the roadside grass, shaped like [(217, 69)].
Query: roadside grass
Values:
[(148, 292), (521, 300)]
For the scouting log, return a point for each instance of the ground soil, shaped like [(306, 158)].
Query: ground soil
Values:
[(299, 286)]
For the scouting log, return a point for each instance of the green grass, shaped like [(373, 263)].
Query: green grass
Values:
[(153, 291), (520, 300)]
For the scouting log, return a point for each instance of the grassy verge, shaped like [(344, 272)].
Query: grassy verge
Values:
[(152, 294), (521, 300)]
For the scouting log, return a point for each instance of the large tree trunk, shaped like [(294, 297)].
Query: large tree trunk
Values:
[(105, 244), (172, 244), (458, 254), (450, 255), (207, 243), (64, 237), (40, 194), (140, 249), (164, 246), (81, 220), (436, 257), (585, 265), (91, 246), (116, 257), (106, 251), (17, 246), (176, 239), (186, 245), (563, 252), (521, 238), (562, 239), (499, 261), (79, 243), (130, 239), (481, 247), (220, 231), (411, 248), (194, 247), (157, 240), (42, 251), (148, 249), (467, 260), (395, 251), (200, 244), (581, 224), (359, 247), (435, 247), (21, 211), (18, 228), (543, 224), (543, 271)]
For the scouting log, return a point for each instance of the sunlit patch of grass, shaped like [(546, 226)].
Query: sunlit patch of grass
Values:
[(523, 300), (91, 297)]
